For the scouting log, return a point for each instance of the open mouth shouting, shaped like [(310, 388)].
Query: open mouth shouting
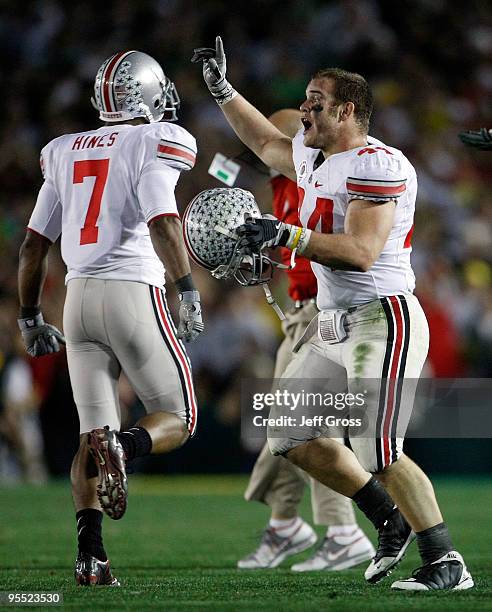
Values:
[(307, 125)]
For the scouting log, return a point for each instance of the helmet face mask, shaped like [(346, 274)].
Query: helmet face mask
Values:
[(130, 85), (170, 101), (246, 267), (209, 225)]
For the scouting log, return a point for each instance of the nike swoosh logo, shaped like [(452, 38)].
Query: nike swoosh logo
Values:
[(316, 184), (345, 550), (337, 555)]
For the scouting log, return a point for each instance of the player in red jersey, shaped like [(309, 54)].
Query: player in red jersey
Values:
[(274, 480)]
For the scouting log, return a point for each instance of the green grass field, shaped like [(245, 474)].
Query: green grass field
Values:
[(177, 547)]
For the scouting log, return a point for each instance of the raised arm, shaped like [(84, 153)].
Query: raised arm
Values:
[(251, 126)]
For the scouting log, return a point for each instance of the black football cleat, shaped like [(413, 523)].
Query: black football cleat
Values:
[(89, 571), (394, 538), (112, 488), (447, 573)]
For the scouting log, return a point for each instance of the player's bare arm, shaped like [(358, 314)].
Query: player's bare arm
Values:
[(167, 239), (251, 126), (39, 337), (367, 227), (33, 267)]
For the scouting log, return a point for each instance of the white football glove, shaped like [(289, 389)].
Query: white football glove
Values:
[(190, 316), (39, 337), (214, 71)]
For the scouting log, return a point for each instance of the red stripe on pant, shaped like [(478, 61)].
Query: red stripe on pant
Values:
[(393, 375), (182, 359), (173, 327)]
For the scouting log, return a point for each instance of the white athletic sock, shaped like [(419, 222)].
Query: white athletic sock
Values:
[(345, 534), (285, 528)]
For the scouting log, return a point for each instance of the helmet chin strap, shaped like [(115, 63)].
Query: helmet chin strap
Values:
[(147, 114), (273, 302)]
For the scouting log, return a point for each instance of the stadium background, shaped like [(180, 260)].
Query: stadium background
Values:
[(432, 77)]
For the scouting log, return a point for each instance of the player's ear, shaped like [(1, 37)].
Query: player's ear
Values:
[(346, 110)]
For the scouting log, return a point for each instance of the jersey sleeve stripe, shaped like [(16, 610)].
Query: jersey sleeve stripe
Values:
[(176, 149), (376, 188), (178, 145), (359, 181), (176, 153)]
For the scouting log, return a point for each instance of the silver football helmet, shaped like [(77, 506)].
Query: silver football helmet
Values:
[(209, 225), (132, 84)]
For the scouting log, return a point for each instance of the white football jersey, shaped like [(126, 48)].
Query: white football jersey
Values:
[(374, 172), (101, 190)]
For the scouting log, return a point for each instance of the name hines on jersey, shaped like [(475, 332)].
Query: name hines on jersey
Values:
[(94, 141)]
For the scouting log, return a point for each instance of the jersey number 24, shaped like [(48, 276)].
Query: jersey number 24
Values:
[(323, 210)]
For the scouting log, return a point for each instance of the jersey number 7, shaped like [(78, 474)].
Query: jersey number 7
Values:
[(82, 169)]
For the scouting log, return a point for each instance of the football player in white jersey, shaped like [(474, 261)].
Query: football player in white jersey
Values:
[(110, 194), (274, 481), (358, 198)]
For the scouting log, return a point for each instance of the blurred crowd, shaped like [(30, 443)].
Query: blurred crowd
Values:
[(431, 71)]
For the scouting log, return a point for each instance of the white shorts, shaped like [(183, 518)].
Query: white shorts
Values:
[(112, 326), (382, 357)]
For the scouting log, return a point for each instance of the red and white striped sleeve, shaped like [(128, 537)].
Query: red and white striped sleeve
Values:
[(176, 154), (168, 149), (377, 175), (176, 147)]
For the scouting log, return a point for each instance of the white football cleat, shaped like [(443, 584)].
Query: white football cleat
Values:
[(274, 549), (333, 555), (449, 572)]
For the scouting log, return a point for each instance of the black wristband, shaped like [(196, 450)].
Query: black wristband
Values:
[(28, 311), (185, 283)]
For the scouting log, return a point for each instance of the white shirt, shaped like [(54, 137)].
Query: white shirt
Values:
[(102, 188), (374, 172)]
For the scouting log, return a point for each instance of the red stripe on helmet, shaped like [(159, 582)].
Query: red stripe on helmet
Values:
[(106, 81)]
